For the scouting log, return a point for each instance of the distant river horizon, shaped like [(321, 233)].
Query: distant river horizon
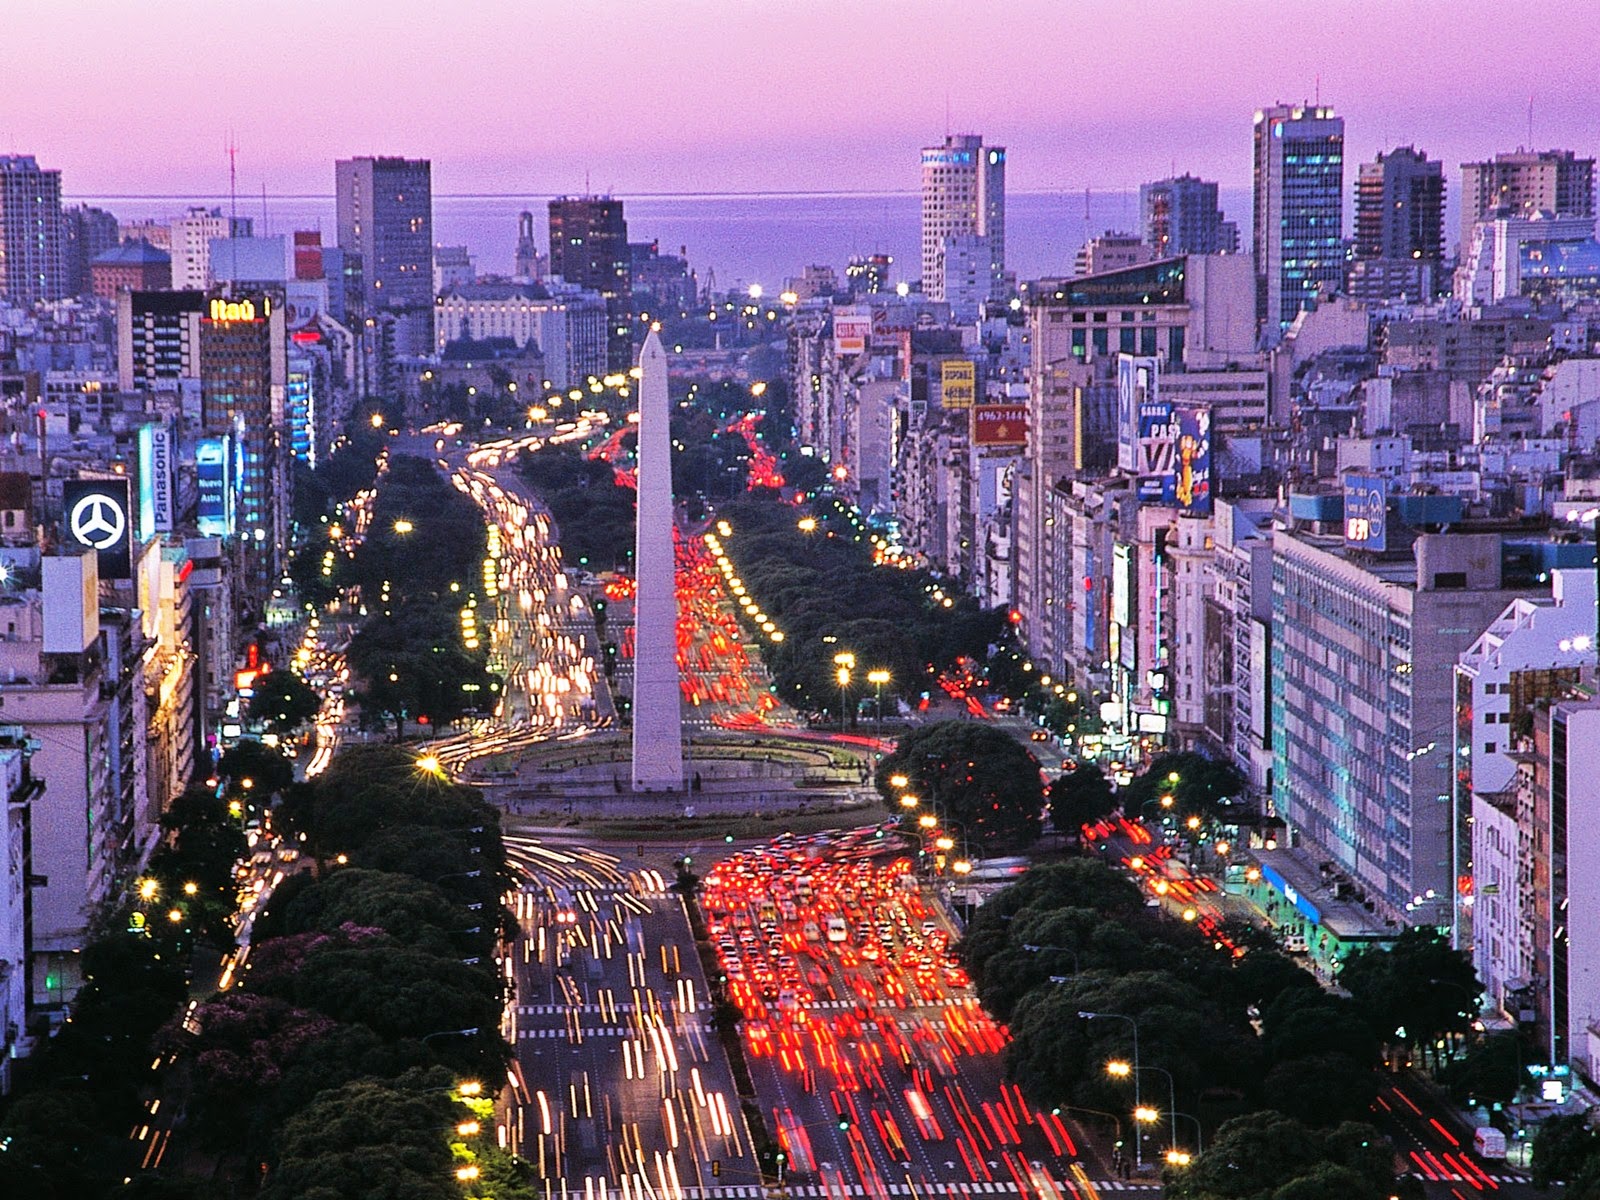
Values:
[(749, 238)]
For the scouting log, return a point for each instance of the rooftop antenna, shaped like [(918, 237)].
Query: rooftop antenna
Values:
[(233, 203), (1530, 121), (1318, 92), (947, 114)]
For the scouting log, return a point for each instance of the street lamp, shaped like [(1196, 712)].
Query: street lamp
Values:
[(1138, 1105), (878, 678), (845, 662), (1077, 967), (1118, 1069)]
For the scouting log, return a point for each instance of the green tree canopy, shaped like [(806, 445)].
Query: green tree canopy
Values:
[(980, 780), (1080, 797), (1416, 990), (1269, 1156), (367, 1140), (283, 701)]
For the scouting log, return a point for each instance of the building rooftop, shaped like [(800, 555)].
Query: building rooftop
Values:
[(498, 291), (135, 253)]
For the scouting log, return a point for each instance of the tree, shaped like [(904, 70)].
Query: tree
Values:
[(366, 1140), (1306, 1021), (1415, 991), (1564, 1148), (1203, 786), (411, 911), (1321, 1089), (244, 1045), (1490, 1071), (268, 770), (981, 782), (1269, 1156), (1081, 797), (284, 701)]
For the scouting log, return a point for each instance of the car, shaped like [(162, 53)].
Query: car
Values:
[(1039, 735)]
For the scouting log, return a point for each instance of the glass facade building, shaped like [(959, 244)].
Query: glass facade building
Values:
[(1299, 208)]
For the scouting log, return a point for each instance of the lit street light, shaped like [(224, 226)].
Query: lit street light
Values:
[(1138, 1105), (846, 662), (878, 678)]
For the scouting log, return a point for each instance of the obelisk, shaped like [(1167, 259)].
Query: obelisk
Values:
[(657, 704)]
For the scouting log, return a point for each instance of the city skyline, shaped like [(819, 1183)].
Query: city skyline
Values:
[(718, 113)]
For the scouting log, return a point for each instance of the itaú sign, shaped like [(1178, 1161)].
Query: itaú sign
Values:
[(240, 310)]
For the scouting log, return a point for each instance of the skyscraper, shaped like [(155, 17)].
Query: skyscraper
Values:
[(589, 248), (32, 266), (1180, 215), (1400, 206), (1299, 208), (963, 196), (385, 214), (1399, 226), (1526, 182), (243, 381)]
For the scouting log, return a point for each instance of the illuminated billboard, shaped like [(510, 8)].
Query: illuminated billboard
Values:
[(958, 383), (1000, 425), (1365, 506), (157, 469), (1192, 469), (217, 515), (98, 515)]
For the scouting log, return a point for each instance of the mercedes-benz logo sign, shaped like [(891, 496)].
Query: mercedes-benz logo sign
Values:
[(97, 521)]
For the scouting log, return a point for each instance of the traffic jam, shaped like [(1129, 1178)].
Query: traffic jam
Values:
[(877, 1066), (636, 1106)]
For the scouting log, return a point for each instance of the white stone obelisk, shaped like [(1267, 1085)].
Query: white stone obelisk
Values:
[(657, 703)]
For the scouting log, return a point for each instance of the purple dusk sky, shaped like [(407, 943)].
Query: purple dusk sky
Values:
[(738, 95)]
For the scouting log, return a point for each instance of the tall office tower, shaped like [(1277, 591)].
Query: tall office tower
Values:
[(963, 195), (1400, 207), (1526, 182), (657, 701), (589, 248), (1299, 208), (529, 262), (1399, 227), (86, 234), (32, 266), (385, 214), (243, 393), (1180, 215), (190, 237)]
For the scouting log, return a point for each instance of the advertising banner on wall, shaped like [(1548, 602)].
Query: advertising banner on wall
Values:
[(1365, 509), (98, 515), (1192, 484), (958, 383), (157, 475), (213, 467), (1000, 425), (1137, 385), (852, 325)]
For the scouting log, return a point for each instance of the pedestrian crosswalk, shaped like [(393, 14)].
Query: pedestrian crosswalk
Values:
[(1472, 1179), (924, 1189), (565, 1034)]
